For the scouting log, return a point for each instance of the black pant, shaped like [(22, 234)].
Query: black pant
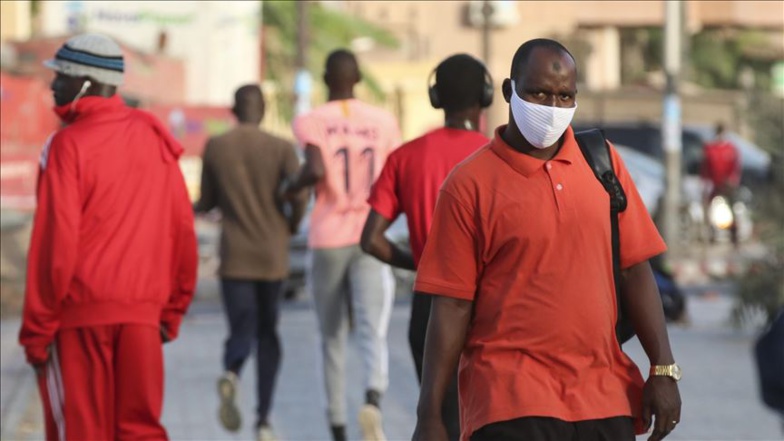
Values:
[(417, 328), (552, 429), (252, 307)]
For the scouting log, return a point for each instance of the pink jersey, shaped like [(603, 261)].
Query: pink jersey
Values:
[(355, 139)]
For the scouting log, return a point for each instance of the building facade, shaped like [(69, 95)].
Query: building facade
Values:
[(595, 31), (218, 41)]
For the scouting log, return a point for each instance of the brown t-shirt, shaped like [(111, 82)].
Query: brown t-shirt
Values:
[(241, 173)]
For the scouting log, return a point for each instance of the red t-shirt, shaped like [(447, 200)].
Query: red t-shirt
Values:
[(412, 177), (721, 164), (529, 243)]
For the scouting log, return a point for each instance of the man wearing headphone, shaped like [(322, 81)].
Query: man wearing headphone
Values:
[(411, 179), (113, 258)]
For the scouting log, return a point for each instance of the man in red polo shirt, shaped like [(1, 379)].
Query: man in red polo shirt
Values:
[(410, 181), (519, 259)]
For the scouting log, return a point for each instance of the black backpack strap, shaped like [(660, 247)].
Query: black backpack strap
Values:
[(597, 154)]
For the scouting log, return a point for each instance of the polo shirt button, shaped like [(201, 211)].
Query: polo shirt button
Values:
[(559, 187), (549, 166)]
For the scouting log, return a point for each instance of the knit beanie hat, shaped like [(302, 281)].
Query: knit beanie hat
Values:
[(90, 55)]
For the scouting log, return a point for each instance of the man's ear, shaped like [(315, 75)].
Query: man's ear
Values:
[(506, 89)]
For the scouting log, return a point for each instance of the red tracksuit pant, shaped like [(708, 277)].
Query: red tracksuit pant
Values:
[(104, 383)]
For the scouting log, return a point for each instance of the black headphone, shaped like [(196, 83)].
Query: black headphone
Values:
[(487, 89)]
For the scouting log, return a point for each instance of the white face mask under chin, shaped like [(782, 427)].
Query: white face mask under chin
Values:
[(541, 126)]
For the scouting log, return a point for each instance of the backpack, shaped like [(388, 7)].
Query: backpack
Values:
[(597, 154)]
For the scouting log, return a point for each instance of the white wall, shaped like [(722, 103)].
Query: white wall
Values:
[(218, 40)]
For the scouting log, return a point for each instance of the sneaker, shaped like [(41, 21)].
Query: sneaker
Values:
[(370, 422), (228, 413), (265, 433)]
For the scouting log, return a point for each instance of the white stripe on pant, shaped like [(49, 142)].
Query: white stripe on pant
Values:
[(54, 387), (335, 277)]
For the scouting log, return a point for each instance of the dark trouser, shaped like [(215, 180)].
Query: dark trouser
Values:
[(417, 328), (552, 429), (252, 307)]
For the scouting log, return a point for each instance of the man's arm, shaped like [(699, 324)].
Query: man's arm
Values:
[(208, 194), (446, 333), (375, 243), (185, 260), (643, 305), (311, 172), (54, 247), (299, 202)]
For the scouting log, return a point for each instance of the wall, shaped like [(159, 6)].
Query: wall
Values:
[(148, 77), (15, 20), (218, 40)]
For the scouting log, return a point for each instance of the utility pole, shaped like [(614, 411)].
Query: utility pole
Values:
[(303, 83), (487, 13), (671, 121)]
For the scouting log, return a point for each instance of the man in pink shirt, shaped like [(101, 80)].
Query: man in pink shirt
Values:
[(346, 143)]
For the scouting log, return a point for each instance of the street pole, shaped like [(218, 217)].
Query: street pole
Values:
[(303, 83), (671, 121), (487, 12)]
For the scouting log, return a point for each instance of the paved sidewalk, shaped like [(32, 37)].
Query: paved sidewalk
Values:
[(719, 390)]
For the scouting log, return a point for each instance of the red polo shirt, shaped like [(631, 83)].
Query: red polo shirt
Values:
[(528, 241), (413, 174)]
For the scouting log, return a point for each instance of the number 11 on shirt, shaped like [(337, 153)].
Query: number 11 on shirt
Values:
[(368, 154)]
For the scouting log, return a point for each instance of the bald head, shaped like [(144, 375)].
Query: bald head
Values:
[(249, 104), (525, 53), (341, 71)]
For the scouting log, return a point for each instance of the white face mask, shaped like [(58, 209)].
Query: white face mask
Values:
[(540, 125)]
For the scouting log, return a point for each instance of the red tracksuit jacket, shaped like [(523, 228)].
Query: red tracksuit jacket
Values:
[(113, 237)]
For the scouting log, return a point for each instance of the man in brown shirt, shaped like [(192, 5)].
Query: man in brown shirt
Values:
[(241, 173)]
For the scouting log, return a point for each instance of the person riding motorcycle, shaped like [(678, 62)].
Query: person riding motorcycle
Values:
[(721, 173)]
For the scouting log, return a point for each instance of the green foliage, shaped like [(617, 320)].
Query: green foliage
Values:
[(761, 289), (328, 30), (718, 57)]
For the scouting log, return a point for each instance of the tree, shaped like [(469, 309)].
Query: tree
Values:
[(330, 29)]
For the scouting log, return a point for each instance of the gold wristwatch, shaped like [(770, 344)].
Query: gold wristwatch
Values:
[(671, 370)]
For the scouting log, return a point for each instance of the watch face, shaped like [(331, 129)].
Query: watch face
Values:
[(676, 372)]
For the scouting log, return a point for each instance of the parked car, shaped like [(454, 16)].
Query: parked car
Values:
[(646, 138)]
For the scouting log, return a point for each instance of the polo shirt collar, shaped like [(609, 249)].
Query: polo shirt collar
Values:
[(526, 165)]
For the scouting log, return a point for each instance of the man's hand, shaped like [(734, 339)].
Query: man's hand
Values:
[(165, 337), (40, 369), (661, 400), (430, 429)]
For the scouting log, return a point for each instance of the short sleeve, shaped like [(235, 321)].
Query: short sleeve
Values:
[(449, 265), (307, 131), (640, 239), (383, 196)]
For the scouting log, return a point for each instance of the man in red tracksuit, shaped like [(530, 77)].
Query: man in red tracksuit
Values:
[(113, 257)]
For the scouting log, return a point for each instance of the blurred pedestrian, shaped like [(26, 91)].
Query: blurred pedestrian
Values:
[(519, 259), (410, 181), (721, 173), (242, 171), (346, 143), (113, 260)]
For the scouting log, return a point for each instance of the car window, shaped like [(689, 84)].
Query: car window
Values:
[(692, 152), (642, 139)]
